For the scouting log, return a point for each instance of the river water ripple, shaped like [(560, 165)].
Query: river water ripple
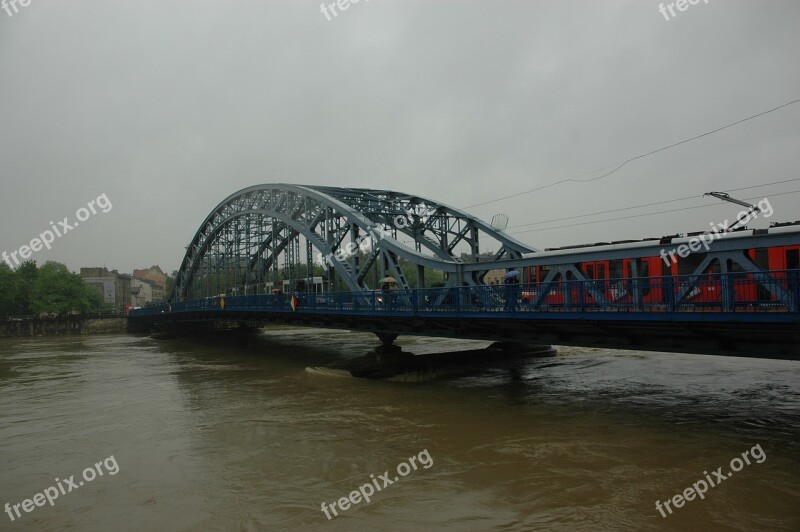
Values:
[(255, 434)]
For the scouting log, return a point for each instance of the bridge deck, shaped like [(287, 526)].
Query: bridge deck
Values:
[(724, 314)]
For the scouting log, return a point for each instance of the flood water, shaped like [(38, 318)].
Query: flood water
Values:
[(254, 434)]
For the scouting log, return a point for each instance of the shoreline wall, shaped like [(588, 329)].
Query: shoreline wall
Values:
[(68, 326)]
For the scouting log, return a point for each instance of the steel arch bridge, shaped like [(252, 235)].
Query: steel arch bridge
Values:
[(264, 235), (247, 264)]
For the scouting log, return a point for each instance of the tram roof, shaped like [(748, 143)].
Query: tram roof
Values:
[(737, 239)]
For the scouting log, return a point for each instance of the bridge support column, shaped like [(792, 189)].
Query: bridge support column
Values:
[(386, 338), (387, 354)]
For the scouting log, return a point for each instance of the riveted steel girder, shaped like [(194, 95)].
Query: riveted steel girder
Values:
[(244, 236)]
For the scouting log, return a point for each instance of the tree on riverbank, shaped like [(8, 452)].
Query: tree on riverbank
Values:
[(49, 289), (9, 291)]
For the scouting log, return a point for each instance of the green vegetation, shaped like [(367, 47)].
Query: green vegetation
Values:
[(372, 277), (51, 289), (223, 282), (409, 271), (170, 282)]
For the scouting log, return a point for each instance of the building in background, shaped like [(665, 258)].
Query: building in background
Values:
[(141, 293), (156, 277), (106, 285), (494, 277), (115, 286), (144, 291)]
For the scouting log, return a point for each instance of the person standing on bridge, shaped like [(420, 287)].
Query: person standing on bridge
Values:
[(511, 283), (389, 288)]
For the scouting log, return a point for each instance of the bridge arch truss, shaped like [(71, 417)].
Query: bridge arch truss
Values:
[(263, 235)]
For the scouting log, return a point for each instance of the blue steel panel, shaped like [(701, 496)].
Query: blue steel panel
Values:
[(489, 302)]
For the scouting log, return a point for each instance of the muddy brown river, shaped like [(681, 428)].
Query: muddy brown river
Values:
[(130, 433)]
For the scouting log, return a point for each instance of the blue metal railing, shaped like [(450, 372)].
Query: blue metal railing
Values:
[(774, 292)]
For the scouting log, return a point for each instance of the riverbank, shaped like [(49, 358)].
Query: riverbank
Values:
[(61, 326)]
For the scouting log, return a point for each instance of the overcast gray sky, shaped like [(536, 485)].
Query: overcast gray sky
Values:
[(169, 106)]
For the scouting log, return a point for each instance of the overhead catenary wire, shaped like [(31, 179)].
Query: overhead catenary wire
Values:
[(620, 165), (647, 204), (639, 215)]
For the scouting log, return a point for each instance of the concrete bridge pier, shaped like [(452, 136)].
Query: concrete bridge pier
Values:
[(387, 339), (388, 354)]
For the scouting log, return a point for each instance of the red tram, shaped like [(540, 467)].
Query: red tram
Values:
[(613, 278)]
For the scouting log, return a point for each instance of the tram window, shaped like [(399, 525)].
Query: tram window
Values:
[(543, 272), (792, 259), (644, 284), (589, 270), (616, 269), (733, 267), (601, 271), (687, 265), (762, 258)]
